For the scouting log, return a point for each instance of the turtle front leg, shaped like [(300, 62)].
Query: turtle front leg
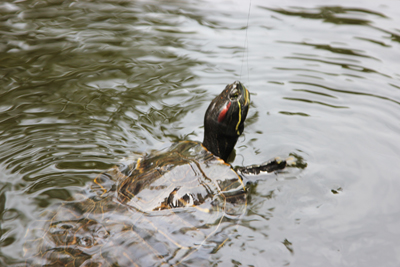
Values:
[(270, 166)]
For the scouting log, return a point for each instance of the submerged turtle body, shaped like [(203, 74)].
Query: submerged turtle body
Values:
[(156, 210), (186, 175)]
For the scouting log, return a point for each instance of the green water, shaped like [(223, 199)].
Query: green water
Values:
[(85, 83)]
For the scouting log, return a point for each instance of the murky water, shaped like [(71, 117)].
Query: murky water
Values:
[(85, 83)]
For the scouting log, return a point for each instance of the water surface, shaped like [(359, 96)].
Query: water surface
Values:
[(84, 84)]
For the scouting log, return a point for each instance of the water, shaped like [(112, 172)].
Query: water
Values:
[(84, 84)]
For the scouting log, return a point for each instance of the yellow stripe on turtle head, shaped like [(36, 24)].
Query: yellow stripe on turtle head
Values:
[(247, 96), (240, 118)]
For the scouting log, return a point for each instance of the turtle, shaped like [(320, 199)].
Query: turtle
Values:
[(164, 208)]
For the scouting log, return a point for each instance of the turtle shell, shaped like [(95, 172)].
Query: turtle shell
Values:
[(166, 208)]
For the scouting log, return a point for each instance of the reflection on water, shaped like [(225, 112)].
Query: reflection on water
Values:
[(331, 14), (84, 84)]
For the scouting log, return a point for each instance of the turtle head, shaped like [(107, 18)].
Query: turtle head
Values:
[(224, 119)]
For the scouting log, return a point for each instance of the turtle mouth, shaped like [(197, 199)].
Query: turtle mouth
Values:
[(240, 94), (244, 92)]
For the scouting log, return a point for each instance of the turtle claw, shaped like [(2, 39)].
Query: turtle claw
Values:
[(290, 161), (277, 159)]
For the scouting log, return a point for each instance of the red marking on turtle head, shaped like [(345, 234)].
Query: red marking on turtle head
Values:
[(223, 112)]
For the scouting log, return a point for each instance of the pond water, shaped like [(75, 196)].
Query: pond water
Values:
[(85, 83)]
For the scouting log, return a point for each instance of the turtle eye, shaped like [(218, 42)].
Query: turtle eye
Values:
[(234, 95)]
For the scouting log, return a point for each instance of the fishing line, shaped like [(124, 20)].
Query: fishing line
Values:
[(246, 48)]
